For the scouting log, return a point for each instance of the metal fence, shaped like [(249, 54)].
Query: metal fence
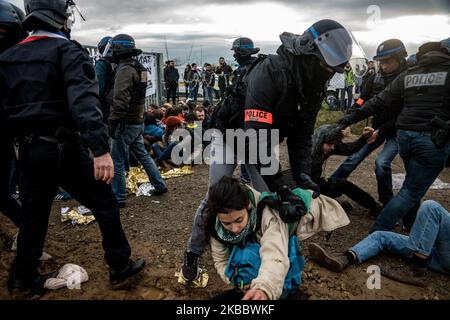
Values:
[(155, 98)]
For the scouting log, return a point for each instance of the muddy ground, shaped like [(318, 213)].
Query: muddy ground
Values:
[(158, 232)]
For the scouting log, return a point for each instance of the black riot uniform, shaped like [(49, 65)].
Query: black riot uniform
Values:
[(50, 101), (422, 97), (11, 32)]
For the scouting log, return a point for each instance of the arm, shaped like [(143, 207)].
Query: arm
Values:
[(100, 72), (220, 257), (390, 97), (274, 255), (83, 99), (347, 149)]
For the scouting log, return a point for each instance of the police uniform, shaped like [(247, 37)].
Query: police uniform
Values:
[(418, 95), (51, 105)]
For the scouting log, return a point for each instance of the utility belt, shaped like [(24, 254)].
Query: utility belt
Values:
[(441, 134), (61, 137)]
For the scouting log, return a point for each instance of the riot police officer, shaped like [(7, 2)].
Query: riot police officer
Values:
[(49, 97), (104, 71), (11, 32), (421, 97), (390, 56)]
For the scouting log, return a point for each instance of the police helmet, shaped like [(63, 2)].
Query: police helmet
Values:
[(103, 43), (124, 45), (392, 48), (244, 47), (54, 13), (329, 41), (11, 18)]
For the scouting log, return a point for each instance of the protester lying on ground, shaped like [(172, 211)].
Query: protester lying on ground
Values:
[(426, 246), (327, 141), (246, 230)]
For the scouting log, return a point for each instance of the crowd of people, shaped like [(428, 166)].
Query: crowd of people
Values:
[(80, 127)]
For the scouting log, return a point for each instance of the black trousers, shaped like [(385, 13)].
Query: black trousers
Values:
[(8, 205), (336, 188), (171, 93), (43, 167)]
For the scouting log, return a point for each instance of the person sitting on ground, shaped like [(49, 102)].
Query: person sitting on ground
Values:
[(170, 112), (163, 150), (152, 107), (152, 132), (190, 120), (241, 222), (426, 246), (327, 141)]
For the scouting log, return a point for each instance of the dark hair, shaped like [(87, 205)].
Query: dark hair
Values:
[(223, 197), (190, 117), (159, 114), (193, 65), (199, 109), (149, 119), (154, 106), (171, 112)]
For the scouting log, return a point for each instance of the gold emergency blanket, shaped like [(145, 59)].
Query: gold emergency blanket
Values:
[(200, 282), (77, 216)]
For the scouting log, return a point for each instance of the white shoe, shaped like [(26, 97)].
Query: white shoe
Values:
[(14, 245)]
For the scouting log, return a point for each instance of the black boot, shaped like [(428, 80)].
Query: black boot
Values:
[(117, 275), (30, 288), (190, 270)]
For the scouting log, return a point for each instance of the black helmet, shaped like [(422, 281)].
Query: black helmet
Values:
[(326, 39), (11, 19), (54, 13), (392, 48), (124, 46), (103, 43), (244, 47)]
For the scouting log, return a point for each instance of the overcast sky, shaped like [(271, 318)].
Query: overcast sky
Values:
[(205, 29)]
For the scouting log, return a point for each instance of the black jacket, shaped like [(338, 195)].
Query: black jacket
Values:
[(50, 83), (171, 75), (285, 92), (418, 94)]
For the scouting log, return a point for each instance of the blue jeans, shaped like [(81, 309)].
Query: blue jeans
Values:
[(163, 153), (430, 236), (383, 171), (129, 137), (208, 94), (423, 163), (193, 92)]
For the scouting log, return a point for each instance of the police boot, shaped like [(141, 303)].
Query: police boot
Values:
[(31, 288), (120, 274), (190, 270)]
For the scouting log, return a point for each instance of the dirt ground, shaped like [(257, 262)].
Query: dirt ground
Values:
[(158, 232)]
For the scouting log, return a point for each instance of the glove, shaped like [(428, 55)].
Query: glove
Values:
[(112, 127), (305, 182), (292, 208)]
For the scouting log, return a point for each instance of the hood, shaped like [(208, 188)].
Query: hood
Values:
[(323, 134)]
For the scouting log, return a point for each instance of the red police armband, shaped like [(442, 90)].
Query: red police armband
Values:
[(360, 102), (258, 116)]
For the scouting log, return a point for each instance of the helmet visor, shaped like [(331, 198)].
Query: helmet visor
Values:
[(358, 60), (107, 52), (335, 45)]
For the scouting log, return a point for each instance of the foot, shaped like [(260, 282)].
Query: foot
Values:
[(336, 263), (118, 275), (44, 257), (31, 289), (190, 269), (406, 273), (159, 192)]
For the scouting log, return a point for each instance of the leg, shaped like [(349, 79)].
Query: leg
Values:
[(119, 154), (77, 177), (353, 161), (423, 163), (383, 170), (357, 194), (137, 146), (8, 205), (430, 235), (378, 241)]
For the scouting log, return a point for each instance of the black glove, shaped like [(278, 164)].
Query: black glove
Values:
[(112, 127), (292, 208), (306, 183)]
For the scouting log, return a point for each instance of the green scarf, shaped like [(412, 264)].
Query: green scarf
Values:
[(227, 236)]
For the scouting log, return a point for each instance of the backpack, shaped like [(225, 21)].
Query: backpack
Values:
[(229, 113), (244, 263)]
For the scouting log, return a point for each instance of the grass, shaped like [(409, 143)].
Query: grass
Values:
[(326, 116)]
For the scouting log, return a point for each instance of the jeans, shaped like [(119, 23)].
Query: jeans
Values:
[(193, 92), (383, 165), (163, 153), (430, 236), (423, 162), (198, 240), (383, 171), (129, 137), (208, 94)]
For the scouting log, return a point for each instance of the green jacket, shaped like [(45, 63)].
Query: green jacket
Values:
[(349, 78)]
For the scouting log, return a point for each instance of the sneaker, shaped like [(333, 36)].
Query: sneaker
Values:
[(406, 273), (62, 197), (336, 263), (159, 192), (118, 275), (190, 270), (44, 257)]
